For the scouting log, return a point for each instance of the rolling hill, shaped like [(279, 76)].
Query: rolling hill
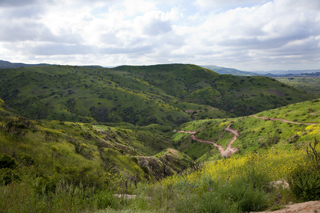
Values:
[(142, 95)]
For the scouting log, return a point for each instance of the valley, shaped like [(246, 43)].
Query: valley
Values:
[(71, 137)]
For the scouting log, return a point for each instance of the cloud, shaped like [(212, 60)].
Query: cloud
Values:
[(245, 34), (32, 31), (157, 27), (17, 3), (209, 4)]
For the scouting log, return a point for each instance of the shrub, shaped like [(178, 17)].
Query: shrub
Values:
[(134, 159), (26, 160), (7, 161), (216, 204), (7, 176), (145, 169), (45, 184), (305, 183)]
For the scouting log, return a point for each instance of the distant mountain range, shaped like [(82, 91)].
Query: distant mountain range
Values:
[(278, 73), (273, 73), (231, 71), (7, 64)]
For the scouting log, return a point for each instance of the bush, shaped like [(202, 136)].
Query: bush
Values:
[(305, 183), (238, 196), (46, 184), (7, 176), (7, 161), (145, 169), (105, 199), (134, 159), (215, 204), (26, 160)]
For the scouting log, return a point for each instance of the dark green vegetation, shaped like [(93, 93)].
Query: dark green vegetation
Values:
[(308, 83), (94, 94), (161, 94)]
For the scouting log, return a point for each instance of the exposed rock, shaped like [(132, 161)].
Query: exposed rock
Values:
[(307, 207)]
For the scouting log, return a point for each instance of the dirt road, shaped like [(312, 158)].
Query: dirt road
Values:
[(283, 120), (223, 152)]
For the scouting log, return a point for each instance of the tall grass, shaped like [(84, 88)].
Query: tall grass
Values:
[(25, 197), (237, 184)]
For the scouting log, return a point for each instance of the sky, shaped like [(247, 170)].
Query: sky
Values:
[(251, 35)]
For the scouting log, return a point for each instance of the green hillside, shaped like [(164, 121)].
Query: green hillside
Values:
[(93, 94), (309, 83), (62, 166), (289, 127), (43, 157), (236, 95), (160, 94)]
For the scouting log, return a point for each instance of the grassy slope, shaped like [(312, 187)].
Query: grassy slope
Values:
[(235, 94), (308, 84), (71, 144), (92, 94), (142, 95), (255, 134)]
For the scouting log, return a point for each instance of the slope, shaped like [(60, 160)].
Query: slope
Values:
[(61, 145), (162, 94), (237, 95), (289, 127), (93, 94)]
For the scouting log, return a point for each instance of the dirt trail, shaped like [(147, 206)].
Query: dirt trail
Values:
[(283, 120), (223, 152), (307, 207)]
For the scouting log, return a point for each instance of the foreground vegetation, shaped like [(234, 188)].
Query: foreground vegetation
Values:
[(238, 184)]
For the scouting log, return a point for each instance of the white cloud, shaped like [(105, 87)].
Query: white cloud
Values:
[(218, 4), (245, 34)]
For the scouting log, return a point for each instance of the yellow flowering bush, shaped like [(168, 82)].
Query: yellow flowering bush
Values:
[(275, 164)]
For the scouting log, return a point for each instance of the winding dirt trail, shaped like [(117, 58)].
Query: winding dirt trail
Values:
[(223, 152), (283, 120)]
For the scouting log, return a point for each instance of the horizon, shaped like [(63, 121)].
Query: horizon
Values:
[(258, 71)]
